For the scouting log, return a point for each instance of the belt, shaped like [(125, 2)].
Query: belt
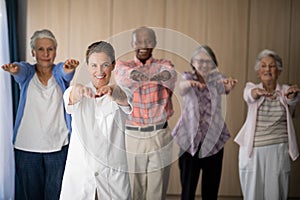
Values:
[(148, 128)]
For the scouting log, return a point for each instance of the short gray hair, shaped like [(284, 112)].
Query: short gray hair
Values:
[(40, 34), (270, 53)]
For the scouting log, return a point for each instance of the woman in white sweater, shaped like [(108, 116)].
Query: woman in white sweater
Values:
[(267, 138)]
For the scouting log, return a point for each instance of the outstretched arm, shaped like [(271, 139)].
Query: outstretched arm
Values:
[(292, 92), (70, 65), (256, 93), (117, 94), (12, 68), (229, 84), (185, 85), (78, 92)]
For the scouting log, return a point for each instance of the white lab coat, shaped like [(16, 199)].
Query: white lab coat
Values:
[(97, 157)]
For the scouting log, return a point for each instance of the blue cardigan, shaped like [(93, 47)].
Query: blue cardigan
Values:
[(23, 77)]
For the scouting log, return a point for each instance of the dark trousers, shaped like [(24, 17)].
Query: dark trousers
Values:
[(190, 167), (39, 175)]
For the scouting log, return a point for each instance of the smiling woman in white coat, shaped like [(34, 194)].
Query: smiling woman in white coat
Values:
[(96, 165)]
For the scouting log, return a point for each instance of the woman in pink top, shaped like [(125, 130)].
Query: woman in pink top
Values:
[(268, 137)]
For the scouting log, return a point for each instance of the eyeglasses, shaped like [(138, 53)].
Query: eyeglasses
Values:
[(201, 62)]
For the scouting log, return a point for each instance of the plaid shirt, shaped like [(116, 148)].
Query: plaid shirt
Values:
[(201, 125), (152, 100)]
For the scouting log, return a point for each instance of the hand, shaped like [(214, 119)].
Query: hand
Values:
[(163, 76), (184, 86), (138, 76), (11, 68), (78, 92), (229, 83), (106, 89), (197, 84), (259, 92), (70, 65), (292, 91), (119, 96)]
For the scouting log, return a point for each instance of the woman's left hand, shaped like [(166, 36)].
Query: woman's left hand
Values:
[(115, 92), (229, 83), (70, 65), (292, 91), (103, 91)]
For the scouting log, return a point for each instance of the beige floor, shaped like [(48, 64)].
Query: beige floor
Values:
[(175, 197)]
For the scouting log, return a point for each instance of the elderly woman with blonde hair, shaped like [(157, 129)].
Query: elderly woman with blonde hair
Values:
[(267, 138)]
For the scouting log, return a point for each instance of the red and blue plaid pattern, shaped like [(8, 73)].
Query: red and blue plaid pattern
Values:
[(151, 99)]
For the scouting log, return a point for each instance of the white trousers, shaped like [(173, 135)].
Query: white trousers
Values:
[(265, 175)]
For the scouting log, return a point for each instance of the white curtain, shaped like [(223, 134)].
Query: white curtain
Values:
[(6, 117)]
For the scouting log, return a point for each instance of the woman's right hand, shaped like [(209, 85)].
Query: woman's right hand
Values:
[(197, 84), (259, 92), (185, 85), (78, 92), (11, 68)]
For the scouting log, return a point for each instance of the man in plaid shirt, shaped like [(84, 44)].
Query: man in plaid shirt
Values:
[(148, 138)]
